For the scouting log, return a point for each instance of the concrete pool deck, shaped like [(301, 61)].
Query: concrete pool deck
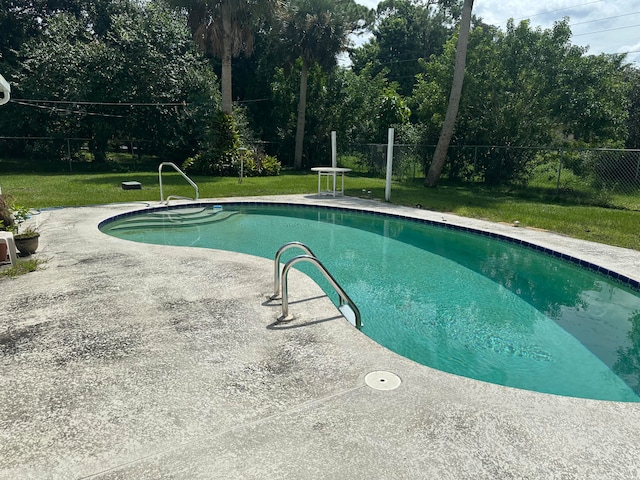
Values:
[(122, 360)]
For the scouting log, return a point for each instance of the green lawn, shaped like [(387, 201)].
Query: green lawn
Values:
[(612, 226)]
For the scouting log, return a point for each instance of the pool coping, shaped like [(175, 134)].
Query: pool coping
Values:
[(117, 372)]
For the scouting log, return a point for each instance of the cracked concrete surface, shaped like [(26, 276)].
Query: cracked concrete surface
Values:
[(129, 361)]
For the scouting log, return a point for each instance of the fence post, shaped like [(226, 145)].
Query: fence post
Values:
[(242, 151), (559, 171), (475, 163), (133, 155), (69, 154)]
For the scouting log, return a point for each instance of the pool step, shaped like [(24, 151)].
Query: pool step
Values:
[(186, 217)]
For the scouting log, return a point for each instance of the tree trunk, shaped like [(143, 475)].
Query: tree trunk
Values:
[(227, 102), (302, 107), (440, 155), (99, 144)]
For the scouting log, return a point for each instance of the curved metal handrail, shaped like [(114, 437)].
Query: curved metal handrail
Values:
[(276, 264), (184, 175), (356, 321)]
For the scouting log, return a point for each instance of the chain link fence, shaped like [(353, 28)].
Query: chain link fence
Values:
[(602, 177), (76, 153), (72, 153)]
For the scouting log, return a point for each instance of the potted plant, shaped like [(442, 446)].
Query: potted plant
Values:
[(26, 238)]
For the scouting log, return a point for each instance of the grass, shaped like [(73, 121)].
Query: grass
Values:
[(532, 208), (21, 267)]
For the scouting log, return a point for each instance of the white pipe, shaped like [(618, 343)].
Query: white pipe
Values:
[(5, 89), (334, 150), (387, 189), (334, 158)]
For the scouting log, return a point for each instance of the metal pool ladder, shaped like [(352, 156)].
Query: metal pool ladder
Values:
[(184, 175), (348, 309)]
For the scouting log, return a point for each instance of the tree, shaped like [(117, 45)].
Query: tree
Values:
[(317, 31), (633, 138), (359, 106), (145, 55), (439, 156), (406, 31), (523, 87), (368, 105), (593, 105), (225, 29)]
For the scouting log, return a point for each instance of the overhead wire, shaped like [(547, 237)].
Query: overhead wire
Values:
[(603, 19), (608, 30), (558, 10), (110, 104), (587, 21), (35, 103), (67, 111)]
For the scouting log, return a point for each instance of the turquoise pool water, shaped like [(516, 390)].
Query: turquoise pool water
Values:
[(455, 301)]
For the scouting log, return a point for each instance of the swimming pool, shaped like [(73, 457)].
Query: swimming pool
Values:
[(453, 300)]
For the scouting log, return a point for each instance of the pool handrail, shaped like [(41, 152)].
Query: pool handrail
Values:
[(347, 307), (184, 175), (276, 264)]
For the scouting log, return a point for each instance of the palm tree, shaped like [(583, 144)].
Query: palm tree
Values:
[(225, 29), (439, 156), (317, 31)]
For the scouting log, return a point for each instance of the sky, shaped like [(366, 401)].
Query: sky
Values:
[(603, 26)]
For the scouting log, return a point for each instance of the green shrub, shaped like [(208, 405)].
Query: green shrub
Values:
[(259, 165), (219, 151), (221, 154), (270, 166)]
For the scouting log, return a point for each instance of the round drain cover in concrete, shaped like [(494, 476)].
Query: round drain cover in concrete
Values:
[(382, 380)]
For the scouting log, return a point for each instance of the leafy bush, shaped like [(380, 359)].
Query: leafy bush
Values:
[(219, 151), (270, 166), (221, 154), (258, 165)]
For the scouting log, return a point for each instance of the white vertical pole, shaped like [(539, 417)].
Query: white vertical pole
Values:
[(334, 150), (387, 190), (334, 158)]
